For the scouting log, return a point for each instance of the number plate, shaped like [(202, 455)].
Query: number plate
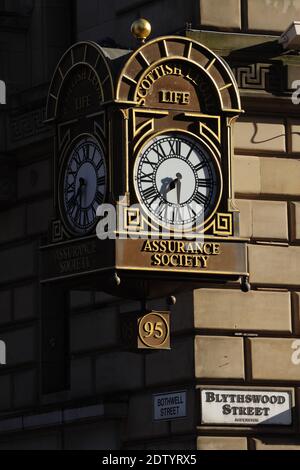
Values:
[(154, 331)]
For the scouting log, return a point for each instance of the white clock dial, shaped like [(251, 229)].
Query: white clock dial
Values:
[(84, 184), (177, 181)]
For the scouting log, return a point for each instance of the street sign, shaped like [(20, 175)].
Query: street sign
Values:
[(169, 406), (247, 407)]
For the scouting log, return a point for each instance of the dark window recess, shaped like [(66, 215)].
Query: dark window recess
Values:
[(55, 339)]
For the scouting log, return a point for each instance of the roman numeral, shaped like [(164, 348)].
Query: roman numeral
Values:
[(203, 183), (86, 152), (77, 215), (99, 197), (177, 216), (89, 216), (148, 162), (200, 166), (100, 165), (146, 178), (71, 204), (86, 219), (94, 210), (70, 188), (150, 194), (192, 213), (160, 152), (77, 158), (101, 181), (201, 199), (161, 208), (175, 147), (190, 152)]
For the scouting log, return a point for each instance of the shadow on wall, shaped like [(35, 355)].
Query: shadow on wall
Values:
[(254, 139)]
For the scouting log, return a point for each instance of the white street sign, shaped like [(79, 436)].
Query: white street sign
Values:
[(246, 407)]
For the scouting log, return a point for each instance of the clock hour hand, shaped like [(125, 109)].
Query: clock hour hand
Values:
[(82, 184), (176, 184)]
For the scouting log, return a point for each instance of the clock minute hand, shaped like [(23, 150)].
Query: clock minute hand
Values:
[(178, 183), (82, 184)]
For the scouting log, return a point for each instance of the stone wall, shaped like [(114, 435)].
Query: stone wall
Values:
[(100, 21), (258, 332), (220, 336), (249, 15)]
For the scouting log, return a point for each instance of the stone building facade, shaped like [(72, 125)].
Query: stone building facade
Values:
[(222, 338)]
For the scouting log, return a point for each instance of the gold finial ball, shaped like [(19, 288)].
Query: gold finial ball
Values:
[(141, 29)]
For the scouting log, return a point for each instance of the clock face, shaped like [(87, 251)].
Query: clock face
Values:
[(177, 181), (83, 185)]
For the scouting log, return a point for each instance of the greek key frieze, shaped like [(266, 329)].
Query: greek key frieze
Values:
[(252, 76), (28, 125)]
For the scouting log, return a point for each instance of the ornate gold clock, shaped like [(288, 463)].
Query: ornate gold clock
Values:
[(81, 85), (82, 184), (143, 167), (179, 152), (178, 181)]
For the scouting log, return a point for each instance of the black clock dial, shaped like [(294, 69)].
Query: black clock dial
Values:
[(177, 181), (84, 185)]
